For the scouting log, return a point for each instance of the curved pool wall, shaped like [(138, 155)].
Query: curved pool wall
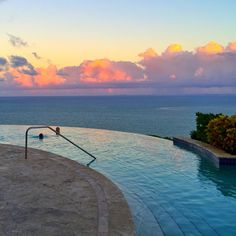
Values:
[(170, 191)]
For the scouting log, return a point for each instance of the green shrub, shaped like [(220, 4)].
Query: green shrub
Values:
[(194, 134), (202, 121), (221, 132)]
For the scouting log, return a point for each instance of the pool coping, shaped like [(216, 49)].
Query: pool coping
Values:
[(218, 156), (114, 215)]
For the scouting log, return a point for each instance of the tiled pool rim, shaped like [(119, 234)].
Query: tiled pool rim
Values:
[(220, 157)]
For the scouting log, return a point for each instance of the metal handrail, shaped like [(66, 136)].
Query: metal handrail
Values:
[(48, 127)]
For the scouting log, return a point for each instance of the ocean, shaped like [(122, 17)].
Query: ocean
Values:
[(154, 115)]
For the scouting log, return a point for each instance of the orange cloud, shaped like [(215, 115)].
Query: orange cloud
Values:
[(153, 71), (101, 71), (44, 77), (148, 54), (21, 79), (231, 47), (211, 48), (173, 49), (48, 76)]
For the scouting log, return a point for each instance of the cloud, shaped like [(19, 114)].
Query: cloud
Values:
[(100, 71), (3, 61), (173, 77), (199, 72), (42, 78), (211, 65), (231, 47), (25, 80), (210, 48), (3, 67), (173, 49), (36, 55), (148, 54), (22, 65), (17, 41), (29, 70), (210, 68), (48, 76), (103, 71), (159, 69), (17, 61)]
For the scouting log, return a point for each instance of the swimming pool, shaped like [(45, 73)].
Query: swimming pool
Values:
[(170, 191)]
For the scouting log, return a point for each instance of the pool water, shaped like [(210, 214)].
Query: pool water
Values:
[(169, 190)]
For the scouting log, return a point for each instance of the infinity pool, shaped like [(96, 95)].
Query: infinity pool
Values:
[(170, 191)]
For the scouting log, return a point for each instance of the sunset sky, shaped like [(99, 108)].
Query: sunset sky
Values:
[(112, 47)]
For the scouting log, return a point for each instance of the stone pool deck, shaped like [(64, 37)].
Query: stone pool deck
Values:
[(220, 157), (51, 195)]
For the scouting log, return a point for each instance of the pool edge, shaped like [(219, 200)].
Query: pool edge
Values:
[(218, 156)]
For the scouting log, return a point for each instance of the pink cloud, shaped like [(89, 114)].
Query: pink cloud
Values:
[(199, 72), (174, 70), (43, 77), (103, 71), (212, 63), (173, 77), (48, 76), (22, 79)]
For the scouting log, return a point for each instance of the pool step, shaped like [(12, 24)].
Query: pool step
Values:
[(145, 222), (203, 227), (167, 219), (184, 224), (181, 221)]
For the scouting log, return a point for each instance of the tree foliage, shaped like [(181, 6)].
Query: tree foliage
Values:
[(221, 133), (202, 121)]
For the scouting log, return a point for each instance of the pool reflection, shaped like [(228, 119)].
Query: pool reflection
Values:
[(223, 177)]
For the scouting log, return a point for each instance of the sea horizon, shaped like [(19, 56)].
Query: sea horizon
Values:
[(124, 95), (153, 115)]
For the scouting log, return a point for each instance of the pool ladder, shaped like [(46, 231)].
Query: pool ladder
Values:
[(56, 132)]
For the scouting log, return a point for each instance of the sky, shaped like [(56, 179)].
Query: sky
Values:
[(117, 47)]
